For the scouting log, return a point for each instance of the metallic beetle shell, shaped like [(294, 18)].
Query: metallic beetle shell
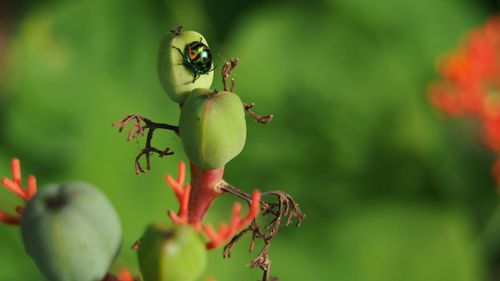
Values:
[(175, 77), (197, 57)]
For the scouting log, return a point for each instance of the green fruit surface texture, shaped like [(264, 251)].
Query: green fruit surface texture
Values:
[(171, 253), (71, 231), (212, 127), (176, 79)]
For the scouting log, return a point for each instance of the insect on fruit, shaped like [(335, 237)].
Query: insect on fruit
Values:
[(175, 71), (197, 57)]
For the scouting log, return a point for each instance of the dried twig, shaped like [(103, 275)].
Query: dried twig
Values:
[(226, 71), (260, 119), (137, 130), (176, 30), (284, 207)]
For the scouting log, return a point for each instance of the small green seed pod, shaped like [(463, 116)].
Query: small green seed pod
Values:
[(212, 127), (184, 64), (71, 231), (171, 253)]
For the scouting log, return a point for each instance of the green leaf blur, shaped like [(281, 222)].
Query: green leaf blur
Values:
[(392, 189)]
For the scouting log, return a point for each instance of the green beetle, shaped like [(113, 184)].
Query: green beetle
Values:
[(197, 57), (176, 69)]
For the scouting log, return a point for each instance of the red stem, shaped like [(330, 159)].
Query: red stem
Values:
[(203, 191)]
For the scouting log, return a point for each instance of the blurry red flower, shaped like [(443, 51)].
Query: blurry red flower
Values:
[(470, 84)]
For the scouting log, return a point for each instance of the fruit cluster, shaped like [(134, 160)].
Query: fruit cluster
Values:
[(212, 128), (71, 230), (212, 123)]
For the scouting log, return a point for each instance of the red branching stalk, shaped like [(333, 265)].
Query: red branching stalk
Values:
[(204, 191), (470, 84), (9, 219), (14, 185), (226, 232), (124, 275), (195, 199), (182, 194)]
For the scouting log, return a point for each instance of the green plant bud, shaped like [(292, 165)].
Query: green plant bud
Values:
[(71, 231), (212, 127), (171, 253), (181, 71)]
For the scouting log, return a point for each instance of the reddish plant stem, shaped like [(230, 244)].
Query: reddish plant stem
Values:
[(204, 190)]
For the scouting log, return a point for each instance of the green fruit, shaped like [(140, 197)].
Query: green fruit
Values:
[(71, 231), (212, 127), (173, 253), (176, 71)]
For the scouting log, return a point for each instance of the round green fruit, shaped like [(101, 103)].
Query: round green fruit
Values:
[(174, 253), (71, 231), (212, 127), (184, 64)]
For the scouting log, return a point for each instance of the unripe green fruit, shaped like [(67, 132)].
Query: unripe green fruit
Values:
[(71, 231), (175, 77), (173, 253), (212, 127)]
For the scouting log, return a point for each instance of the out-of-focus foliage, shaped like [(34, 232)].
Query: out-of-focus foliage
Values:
[(392, 190)]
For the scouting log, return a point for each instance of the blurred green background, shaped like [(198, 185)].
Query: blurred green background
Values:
[(393, 189)]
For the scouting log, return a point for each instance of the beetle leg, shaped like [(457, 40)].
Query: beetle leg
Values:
[(182, 54), (260, 119), (196, 76), (215, 66), (176, 30)]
